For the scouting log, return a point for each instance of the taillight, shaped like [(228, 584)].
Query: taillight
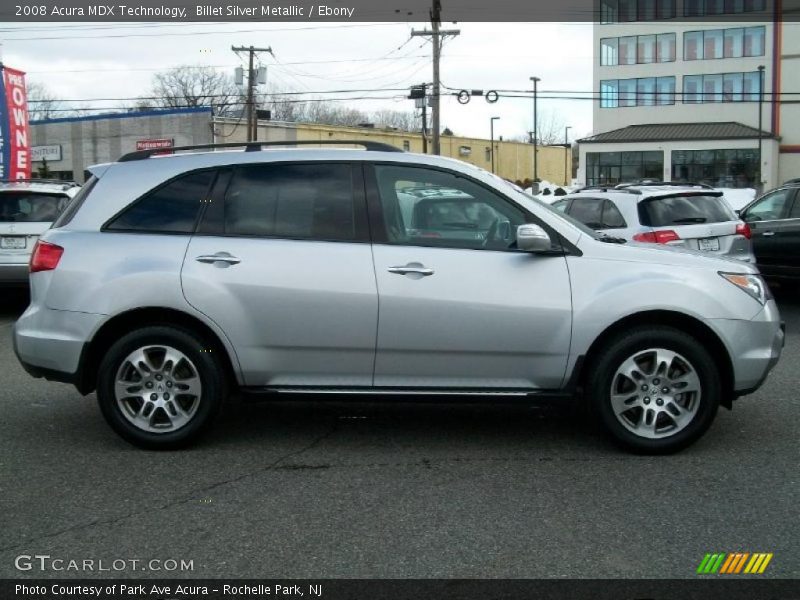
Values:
[(662, 236), (45, 256), (744, 229)]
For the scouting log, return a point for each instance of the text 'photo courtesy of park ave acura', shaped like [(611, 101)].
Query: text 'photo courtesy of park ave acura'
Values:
[(446, 299)]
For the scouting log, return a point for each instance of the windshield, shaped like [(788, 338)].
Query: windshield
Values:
[(684, 210), (31, 207)]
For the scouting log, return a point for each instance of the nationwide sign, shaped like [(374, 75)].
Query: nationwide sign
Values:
[(154, 144), (15, 150)]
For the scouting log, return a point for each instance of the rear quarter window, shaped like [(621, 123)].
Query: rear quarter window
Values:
[(75, 204), (684, 210), (171, 208)]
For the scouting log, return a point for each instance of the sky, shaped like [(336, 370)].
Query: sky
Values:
[(89, 61)]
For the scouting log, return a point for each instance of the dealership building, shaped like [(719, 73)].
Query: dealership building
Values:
[(693, 101), (70, 145)]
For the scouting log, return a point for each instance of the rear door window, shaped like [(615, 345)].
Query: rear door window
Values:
[(771, 207), (171, 208), (588, 211), (684, 210), (295, 201), (612, 218), (31, 207)]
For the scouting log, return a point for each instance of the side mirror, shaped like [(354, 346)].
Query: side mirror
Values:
[(532, 238)]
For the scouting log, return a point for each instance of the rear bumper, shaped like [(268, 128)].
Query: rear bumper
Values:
[(755, 347), (51, 343), (14, 274)]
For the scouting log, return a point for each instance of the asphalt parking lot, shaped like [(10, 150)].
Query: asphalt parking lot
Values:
[(335, 490)]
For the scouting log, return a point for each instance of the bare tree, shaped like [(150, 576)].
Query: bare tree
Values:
[(550, 129), (44, 104), (189, 86)]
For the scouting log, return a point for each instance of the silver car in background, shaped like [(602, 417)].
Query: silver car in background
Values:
[(173, 280), (27, 209), (694, 217)]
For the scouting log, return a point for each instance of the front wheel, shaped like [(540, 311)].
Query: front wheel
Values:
[(160, 387), (656, 389)]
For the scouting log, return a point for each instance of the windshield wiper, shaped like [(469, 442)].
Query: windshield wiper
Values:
[(610, 239), (691, 220)]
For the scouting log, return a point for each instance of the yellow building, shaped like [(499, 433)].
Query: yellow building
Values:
[(513, 160)]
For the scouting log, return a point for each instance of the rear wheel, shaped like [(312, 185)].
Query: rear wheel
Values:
[(160, 387), (656, 389)]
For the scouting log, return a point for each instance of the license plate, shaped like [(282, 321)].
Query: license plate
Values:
[(708, 244), (12, 243)]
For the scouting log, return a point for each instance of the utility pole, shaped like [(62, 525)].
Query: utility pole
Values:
[(252, 122), (535, 80), (760, 182), (491, 138), (436, 34), (566, 153)]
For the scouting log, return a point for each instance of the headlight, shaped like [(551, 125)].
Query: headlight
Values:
[(754, 285)]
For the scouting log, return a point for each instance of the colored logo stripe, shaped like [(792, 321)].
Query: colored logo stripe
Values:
[(734, 563)]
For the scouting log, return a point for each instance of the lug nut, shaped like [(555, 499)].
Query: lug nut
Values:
[(169, 384), (166, 395), (656, 381), (153, 397), (644, 388), (647, 400), (149, 384), (660, 402), (665, 390), (159, 378)]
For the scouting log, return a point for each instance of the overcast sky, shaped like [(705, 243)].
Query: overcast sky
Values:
[(312, 57)]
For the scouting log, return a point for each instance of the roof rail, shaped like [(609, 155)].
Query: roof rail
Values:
[(607, 188), (648, 183), (40, 180), (257, 146)]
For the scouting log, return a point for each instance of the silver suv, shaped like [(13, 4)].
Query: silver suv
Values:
[(172, 281), (27, 209), (691, 216)]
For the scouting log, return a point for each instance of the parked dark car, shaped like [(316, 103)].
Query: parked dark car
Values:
[(774, 221)]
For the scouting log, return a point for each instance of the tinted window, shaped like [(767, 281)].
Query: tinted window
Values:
[(312, 201), (612, 218), (560, 205), (172, 208), (432, 208), (684, 210), (795, 214), (31, 207), (588, 211), (771, 207)]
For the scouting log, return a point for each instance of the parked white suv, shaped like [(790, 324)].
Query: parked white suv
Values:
[(176, 279), (27, 209), (683, 215)]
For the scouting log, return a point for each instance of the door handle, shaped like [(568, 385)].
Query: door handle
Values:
[(219, 257), (768, 233), (410, 269)]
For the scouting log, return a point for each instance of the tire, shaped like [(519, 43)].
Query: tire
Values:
[(171, 387), (652, 420)]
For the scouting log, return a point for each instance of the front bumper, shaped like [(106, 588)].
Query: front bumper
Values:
[(755, 346)]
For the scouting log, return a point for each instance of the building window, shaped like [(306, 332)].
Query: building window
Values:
[(699, 8), (406, 145), (643, 49), (724, 43), (721, 87), (729, 168), (611, 168), (622, 11), (647, 91)]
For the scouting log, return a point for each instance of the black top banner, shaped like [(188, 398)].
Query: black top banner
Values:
[(611, 11)]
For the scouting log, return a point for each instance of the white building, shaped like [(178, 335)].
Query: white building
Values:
[(680, 99)]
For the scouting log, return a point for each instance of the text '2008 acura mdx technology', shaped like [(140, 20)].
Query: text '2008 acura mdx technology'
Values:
[(171, 281)]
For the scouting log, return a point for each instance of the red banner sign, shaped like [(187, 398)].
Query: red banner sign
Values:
[(154, 144), (15, 136)]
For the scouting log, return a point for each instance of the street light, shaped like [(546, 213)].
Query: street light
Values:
[(491, 135), (760, 116), (535, 80), (566, 153)]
